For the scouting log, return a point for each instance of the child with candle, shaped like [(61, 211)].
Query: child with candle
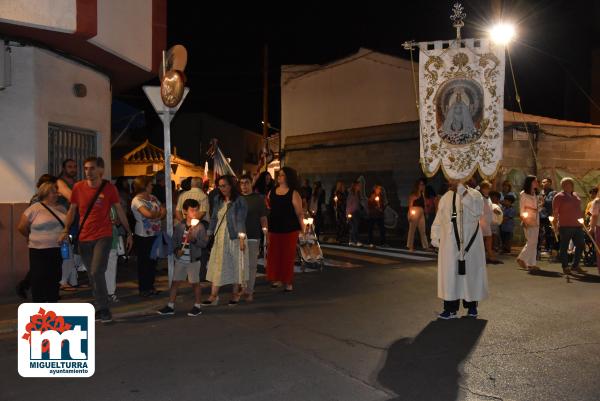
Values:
[(189, 239)]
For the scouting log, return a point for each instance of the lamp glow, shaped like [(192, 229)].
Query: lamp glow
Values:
[(502, 33)]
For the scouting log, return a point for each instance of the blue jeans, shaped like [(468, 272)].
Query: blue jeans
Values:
[(566, 235)]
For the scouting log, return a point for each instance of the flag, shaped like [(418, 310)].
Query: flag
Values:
[(461, 104)]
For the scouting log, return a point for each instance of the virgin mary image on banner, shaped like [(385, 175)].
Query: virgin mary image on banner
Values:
[(459, 111)]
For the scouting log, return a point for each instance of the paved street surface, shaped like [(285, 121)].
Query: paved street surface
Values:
[(363, 329)]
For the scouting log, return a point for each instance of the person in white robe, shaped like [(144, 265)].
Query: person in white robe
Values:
[(454, 283)]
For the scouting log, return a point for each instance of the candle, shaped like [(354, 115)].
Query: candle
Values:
[(377, 199), (349, 215), (310, 220), (580, 220), (335, 198), (551, 218), (413, 211), (195, 222), (525, 215), (305, 222)]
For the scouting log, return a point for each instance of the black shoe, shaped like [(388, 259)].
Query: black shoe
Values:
[(195, 311), (97, 316), (21, 291), (167, 310), (145, 294), (105, 316)]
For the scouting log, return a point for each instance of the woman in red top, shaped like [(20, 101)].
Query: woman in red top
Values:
[(286, 220)]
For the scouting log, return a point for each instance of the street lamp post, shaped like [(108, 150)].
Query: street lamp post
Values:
[(166, 115)]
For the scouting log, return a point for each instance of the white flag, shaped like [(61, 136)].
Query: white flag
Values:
[(461, 96)]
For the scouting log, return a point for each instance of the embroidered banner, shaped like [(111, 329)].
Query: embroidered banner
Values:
[(461, 95)]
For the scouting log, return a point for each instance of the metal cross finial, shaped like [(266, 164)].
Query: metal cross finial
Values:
[(457, 17)]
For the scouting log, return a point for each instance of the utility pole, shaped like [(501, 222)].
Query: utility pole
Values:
[(265, 118)]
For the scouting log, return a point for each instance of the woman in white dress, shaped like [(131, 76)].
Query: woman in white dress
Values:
[(228, 262), (530, 219)]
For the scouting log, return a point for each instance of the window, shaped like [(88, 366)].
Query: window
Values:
[(69, 143)]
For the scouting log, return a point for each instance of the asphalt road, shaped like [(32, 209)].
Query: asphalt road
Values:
[(355, 333)]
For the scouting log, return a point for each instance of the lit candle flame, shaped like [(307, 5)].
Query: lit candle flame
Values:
[(413, 212), (580, 220), (335, 198), (310, 220), (377, 199), (349, 215), (195, 222), (551, 218), (525, 215)]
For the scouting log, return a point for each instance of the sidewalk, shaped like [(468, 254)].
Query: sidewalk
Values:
[(130, 304)]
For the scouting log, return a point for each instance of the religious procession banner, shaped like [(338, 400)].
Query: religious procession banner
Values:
[(461, 99)]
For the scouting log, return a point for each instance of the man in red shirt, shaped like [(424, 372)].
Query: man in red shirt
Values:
[(95, 237), (566, 209)]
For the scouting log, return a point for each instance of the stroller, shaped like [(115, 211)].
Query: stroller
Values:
[(309, 250)]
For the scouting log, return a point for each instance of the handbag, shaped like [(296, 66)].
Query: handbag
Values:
[(211, 238)]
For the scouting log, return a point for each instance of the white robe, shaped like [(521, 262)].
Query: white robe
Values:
[(473, 285)]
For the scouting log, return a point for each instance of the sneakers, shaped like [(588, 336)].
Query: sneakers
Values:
[(211, 303), (195, 311), (472, 312), (359, 244), (167, 310), (105, 316), (447, 315), (113, 298)]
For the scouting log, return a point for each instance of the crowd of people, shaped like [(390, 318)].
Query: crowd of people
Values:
[(86, 225), (219, 234)]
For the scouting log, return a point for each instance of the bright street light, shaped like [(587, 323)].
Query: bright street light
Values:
[(502, 33)]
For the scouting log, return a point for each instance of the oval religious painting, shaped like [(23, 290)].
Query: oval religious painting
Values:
[(459, 111)]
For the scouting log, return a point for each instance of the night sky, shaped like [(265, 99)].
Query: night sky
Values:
[(551, 56)]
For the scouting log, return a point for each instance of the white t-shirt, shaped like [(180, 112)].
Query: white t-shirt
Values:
[(145, 227), (44, 227), (186, 257)]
